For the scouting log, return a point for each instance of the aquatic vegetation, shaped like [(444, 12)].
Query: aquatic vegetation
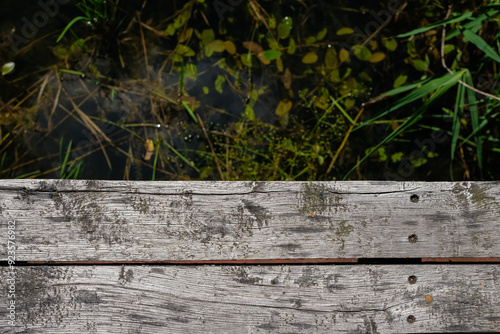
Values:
[(272, 91), (92, 10), (466, 27)]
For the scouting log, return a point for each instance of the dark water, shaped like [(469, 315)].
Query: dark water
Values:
[(140, 100)]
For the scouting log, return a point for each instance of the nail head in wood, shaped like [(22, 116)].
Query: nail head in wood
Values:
[(413, 238)]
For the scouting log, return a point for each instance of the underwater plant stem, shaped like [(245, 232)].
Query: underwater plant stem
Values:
[(143, 46), (344, 141), (211, 147), (156, 160)]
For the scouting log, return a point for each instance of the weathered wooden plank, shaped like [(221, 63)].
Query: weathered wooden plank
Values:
[(60, 220), (255, 299)]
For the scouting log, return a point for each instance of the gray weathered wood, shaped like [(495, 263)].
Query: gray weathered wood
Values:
[(255, 299), (59, 220)]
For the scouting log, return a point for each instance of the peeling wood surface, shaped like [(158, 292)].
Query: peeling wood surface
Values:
[(256, 299), (60, 220)]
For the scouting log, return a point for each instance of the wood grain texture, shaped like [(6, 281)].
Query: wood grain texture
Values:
[(60, 220), (255, 299)]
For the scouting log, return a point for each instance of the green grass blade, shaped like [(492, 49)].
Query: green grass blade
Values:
[(71, 72), (156, 160), (76, 19), (455, 130), (75, 172), (482, 45), (190, 163), (436, 24), (433, 85), (415, 117), (409, 122), (474, 23), (474, 113), (342, 110), (65, 160), (3, 159), (27, 175), (190, 111), (405, 88)]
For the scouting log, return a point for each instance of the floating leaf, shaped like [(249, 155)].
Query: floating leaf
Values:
[(396, 157), (362, 52), (321, 34), (382, 154), (420, 65), (291, 46), (230, 47), (287, 78), (219, 82), (253, 47), (345, 31), (207, 36), (217, 46), (285, 27), (349, 103), (391, 44), (335, 76), (185, 35), (279, 64), (377, 57), (170, 31), (8, 68), (263, 59), (190, 71), (272, 22), (311, 40), (184, 50), (448, 48), (310, 58), (150, 148), (331, 58), (283, 107), (400, 80), (249, 113), (272, 54), (343, 55), (206, 90), (246, 59)]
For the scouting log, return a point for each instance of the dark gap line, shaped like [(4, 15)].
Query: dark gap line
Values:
[(292, 262)]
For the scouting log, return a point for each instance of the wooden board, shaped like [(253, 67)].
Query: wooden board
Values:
[(59, 220), (255, 299)]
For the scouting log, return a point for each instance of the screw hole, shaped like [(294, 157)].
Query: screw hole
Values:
[(414, 198), (411, 319), (412, 279), (413, 238)]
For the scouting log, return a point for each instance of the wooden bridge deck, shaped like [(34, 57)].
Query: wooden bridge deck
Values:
[(249, 257)]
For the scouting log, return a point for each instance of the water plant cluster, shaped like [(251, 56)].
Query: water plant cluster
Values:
[(254, 90)]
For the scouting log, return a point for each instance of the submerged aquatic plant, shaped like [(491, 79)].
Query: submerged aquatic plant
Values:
[(68, 168), (92, 10), (275, 91)]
